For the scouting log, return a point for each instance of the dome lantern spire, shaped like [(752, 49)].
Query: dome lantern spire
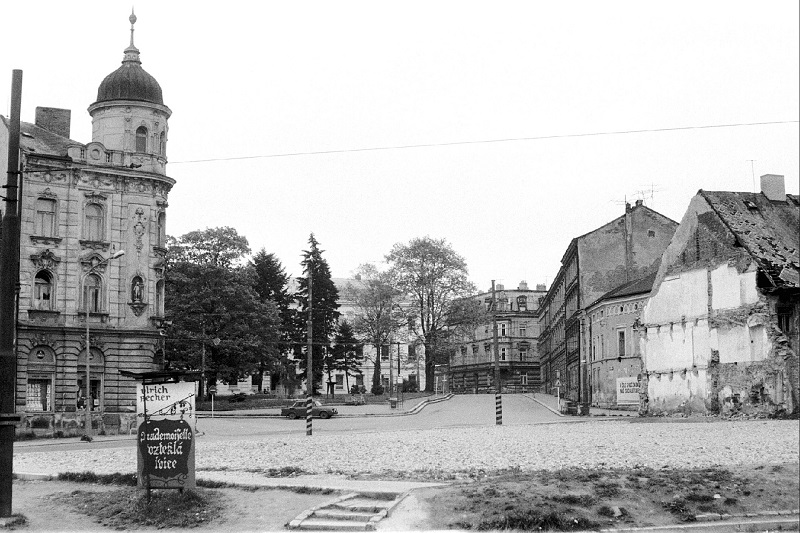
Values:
[(132, 53)]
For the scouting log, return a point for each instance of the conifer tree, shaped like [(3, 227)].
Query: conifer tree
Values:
[(272, 284), (324, 305)]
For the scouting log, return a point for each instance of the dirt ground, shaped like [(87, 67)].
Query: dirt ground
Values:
[(578, 499), (567, 499), (55, 506)]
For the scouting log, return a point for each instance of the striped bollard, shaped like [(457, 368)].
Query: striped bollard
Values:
[(498, 409), (309, 403)]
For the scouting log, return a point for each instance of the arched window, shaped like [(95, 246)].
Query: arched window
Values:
[(45, 222), (161, 223), (93, 230), (43, 290), (96, 371), (41, 374), (141, 139), (92, 289), (162, 145)]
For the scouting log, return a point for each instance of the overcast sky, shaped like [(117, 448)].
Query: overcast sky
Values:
[(247, 79)]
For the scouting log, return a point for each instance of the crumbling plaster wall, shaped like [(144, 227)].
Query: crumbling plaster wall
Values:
[(709, 338)]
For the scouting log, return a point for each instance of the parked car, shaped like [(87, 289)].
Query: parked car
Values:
[(298, 410)]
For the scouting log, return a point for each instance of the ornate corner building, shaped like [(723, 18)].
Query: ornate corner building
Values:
[(471, 368), (82, 205)]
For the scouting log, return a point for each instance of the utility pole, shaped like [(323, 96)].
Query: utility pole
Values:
[(498, 400), (309, 352), (9, 256)]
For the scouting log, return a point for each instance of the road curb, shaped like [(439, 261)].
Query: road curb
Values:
[(544, 405), (414, 410)]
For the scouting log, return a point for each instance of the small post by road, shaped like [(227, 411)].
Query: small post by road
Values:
[(309, 353), (498, 400)]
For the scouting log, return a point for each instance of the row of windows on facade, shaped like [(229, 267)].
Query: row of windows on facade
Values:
[(45, 222), (504, 328), (614, 310), (142, 135), (39, 396), (599, 346), (462, 381), (503, 351), (93, 290), (503, 304), (411, 353)]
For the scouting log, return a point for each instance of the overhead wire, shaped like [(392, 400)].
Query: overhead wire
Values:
[(485, 141)]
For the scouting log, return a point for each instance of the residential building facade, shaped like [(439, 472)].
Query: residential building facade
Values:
[(472, 364), (402, 360), (625, 249), (81, 204), (720, 330), (615, 362)]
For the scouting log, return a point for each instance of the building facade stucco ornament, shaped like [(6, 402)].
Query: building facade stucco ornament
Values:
[(45, 259), (139, 228)]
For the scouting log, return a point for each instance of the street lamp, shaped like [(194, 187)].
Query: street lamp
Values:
[(88, 403)]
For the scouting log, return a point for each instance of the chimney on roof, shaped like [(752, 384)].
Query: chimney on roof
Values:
[(54, 120), (773, 187), (523, 286), (499, 287), (639, 202)]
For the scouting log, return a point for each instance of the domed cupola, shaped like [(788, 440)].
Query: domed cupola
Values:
[(129, 118), (130, 81)]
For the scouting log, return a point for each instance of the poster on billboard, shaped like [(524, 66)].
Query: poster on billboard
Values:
[(166, 434), (628, 391)]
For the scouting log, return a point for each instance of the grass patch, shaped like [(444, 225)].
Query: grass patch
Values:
[(574, 498), (100, 479), (584, 500), (531, 519), (129, 508)]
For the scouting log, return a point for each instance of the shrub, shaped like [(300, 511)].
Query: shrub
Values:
[(377, 390)]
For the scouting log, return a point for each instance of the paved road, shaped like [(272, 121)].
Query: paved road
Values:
[(454, 436), (459, 411)]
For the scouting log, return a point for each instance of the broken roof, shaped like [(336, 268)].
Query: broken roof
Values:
[(768, 230), (41, 141)]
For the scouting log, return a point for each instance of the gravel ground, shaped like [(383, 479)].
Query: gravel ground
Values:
[(534, 447)]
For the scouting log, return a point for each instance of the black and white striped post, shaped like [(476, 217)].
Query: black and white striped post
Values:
[(309, 353), (498, 400)]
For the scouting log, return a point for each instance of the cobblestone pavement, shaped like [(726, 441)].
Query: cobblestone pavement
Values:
[(604, 443)]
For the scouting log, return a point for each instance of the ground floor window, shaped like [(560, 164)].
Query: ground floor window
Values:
[(339, 381), (39, 397), (523, 378), (95, 391), (360, 380)]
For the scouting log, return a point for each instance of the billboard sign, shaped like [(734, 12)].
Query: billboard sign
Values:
[(165, 439), (628, 391)]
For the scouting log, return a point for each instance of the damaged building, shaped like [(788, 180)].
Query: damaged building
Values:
[(720, 331)]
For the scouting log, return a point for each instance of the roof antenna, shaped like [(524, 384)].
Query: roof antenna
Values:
[(753, 172)]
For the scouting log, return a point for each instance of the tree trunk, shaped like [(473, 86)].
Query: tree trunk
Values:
[(376, 371), (430, 368)]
